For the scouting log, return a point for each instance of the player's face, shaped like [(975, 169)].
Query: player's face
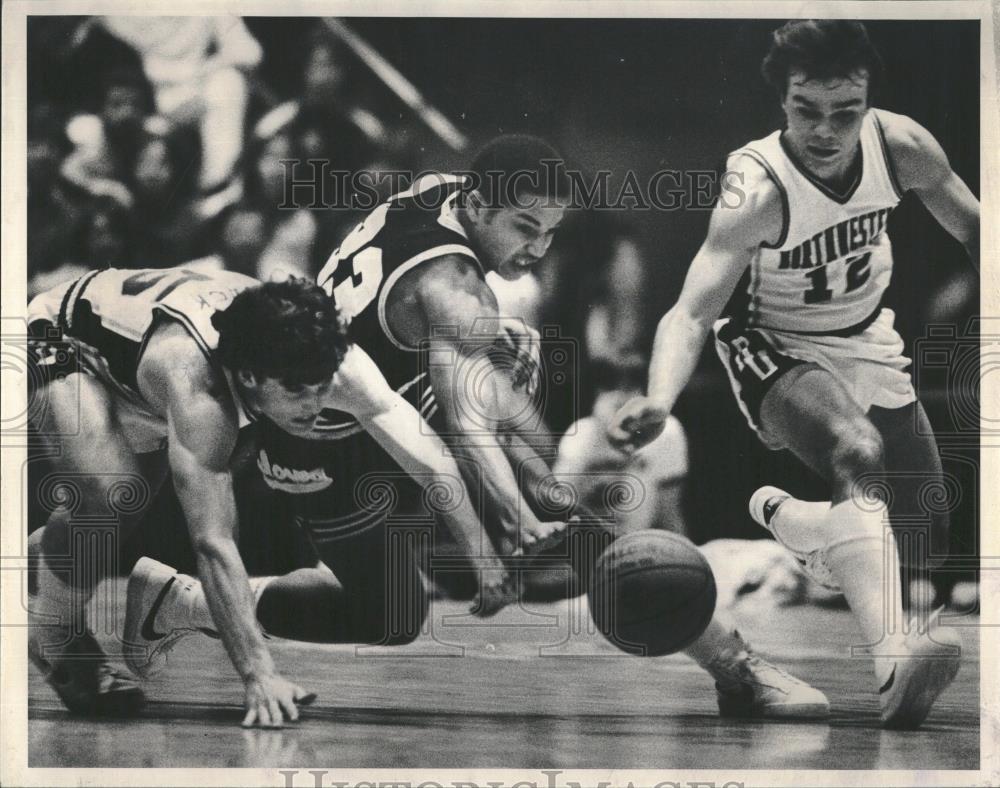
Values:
[(292, 408), (513, 239), (824, 120)]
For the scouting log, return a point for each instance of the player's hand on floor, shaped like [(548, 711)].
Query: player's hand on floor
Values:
[(637, 423), (271, 699), (497, 589), (525, 341)]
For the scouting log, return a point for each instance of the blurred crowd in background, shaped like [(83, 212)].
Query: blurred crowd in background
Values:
[(160, 141), (173, 151)]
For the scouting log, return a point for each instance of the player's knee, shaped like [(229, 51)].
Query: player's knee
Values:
[(859, 451)]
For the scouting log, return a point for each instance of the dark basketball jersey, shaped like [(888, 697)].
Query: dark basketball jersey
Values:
[(340, 479), (410, 228)]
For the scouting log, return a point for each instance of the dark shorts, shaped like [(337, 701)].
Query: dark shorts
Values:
[(752, 364)]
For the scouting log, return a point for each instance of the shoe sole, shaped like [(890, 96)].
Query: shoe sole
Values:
[(815, 711), (791, 711), (922, 688)]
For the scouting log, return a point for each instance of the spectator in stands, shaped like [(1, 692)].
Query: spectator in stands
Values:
[(104, 240), (106, 144), (55, 207), (197, 67), (288, 232), (641, 491), (242, 239), (616, 320), (167, 227)]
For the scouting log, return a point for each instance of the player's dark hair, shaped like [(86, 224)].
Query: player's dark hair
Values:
[(821, 49), (288, 330), (513, 168)]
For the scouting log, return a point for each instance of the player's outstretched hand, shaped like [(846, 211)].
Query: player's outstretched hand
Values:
[(637, 423), (539, 536), (497, 589), (271, 699), (525, 341)]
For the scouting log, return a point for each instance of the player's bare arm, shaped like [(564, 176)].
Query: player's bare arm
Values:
[(362, 390), (734, 234), (448, 292), (922, 165), (202, 435)]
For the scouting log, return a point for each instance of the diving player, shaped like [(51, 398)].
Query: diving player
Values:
[(134, 361), (812, 356)]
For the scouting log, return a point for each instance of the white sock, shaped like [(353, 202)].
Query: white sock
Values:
[(188, 607), (860, 552), (801, 525), (718, 644), (866, 567), (57, 602)]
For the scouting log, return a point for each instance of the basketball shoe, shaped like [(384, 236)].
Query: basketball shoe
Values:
[(748, 685), (764, 504), (912, 670), (160, 611), (79, 672), (915, 672)]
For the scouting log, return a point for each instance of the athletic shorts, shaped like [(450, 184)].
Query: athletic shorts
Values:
[(55, 354), (869, 364)]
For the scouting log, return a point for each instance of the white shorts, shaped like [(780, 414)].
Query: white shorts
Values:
[(870, 364)]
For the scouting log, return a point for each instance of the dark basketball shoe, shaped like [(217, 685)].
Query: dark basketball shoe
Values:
[(80, 674)]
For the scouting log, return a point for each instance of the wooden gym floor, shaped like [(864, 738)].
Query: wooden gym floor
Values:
[(520, 690)]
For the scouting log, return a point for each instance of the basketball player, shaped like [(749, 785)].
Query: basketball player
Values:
[(412, 278), (136, 361), (813, 357)]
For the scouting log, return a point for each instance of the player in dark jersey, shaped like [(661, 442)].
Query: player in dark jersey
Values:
[(411, 280), (131, 360)]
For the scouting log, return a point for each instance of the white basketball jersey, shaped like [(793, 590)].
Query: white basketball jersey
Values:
[(833, 261), (127, 301), (112, 311)]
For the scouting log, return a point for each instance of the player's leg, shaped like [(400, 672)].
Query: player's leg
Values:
[(916, 478), (367, 590), (812, 414), (104, 489), (850, 544)]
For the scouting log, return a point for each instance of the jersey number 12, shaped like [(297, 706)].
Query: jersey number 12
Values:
[(857, 274)]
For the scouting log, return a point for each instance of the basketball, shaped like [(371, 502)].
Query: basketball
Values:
[(652, 593)]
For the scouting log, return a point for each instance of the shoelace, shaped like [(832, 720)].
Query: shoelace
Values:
[(767, 667)]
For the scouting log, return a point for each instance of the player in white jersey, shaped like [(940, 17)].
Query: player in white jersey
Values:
[(814, 360), (128, 362)]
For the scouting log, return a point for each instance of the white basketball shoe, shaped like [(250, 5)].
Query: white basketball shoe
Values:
[(749, 686), (158, 615)]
